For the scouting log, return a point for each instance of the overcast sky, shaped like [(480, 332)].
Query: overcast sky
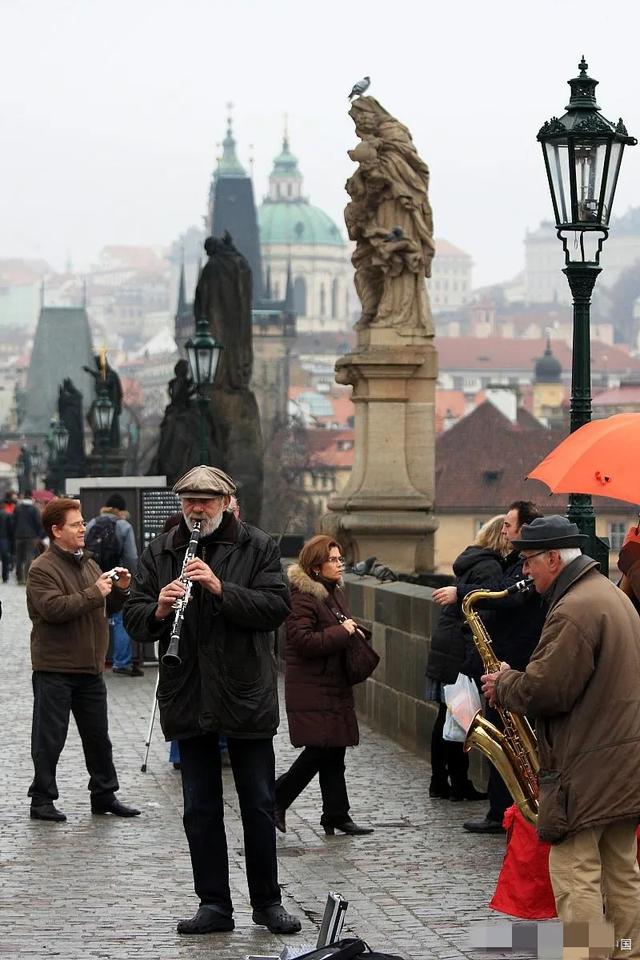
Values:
[(112, 110)]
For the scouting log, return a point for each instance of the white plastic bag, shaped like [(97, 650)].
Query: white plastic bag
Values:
[(463, 702), (452, 729)]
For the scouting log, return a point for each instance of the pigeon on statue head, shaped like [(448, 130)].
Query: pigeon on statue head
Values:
[(360, 87)]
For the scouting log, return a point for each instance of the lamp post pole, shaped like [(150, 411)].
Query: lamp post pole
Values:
[(582, 153), (203, 352)]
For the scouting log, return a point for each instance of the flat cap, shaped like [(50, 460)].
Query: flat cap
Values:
[(549, 533), (203, 482)]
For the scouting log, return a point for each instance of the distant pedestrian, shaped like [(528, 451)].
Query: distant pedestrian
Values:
[(28, 533), (7, 543), (319, 696), (66, 595), (111, 539)]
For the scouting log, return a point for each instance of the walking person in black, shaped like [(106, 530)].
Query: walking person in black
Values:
[(27, 531), (515, 626)]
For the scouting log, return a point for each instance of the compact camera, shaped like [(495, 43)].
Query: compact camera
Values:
[(113, 575)]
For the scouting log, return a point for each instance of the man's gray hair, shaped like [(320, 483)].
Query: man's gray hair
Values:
[(567, 554)]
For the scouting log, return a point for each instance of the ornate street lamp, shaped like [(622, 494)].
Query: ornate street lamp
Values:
[(203, 352), (59, 439), (103, 412), (36, 464), (582, 154)]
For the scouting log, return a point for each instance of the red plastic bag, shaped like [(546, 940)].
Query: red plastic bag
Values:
[(524, 888)]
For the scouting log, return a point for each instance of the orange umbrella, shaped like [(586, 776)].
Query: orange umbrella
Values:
[(601, 458)]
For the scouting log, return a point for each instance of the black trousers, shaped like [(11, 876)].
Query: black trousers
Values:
[(449, 762), (55, 697), (328, 763), (253, 766), (25, 553)]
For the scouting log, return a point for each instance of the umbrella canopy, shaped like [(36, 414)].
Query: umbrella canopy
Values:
[(43, 496), (601, 458)]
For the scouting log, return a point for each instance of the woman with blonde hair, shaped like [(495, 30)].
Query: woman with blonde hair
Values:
[(318, 694), (480, 564)]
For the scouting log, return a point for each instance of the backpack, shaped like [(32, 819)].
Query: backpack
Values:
[(102, 541)]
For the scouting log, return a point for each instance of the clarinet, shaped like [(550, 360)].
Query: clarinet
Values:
[(172, 657)]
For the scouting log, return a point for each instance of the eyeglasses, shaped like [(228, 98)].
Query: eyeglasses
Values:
[(334, 560), (77, 525), (532, 555)]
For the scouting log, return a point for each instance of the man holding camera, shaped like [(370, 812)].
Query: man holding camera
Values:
[(68, 597)]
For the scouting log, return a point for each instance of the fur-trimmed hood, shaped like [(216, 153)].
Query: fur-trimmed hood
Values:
[(306, 584)]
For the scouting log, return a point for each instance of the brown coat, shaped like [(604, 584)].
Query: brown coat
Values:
[(318, 697), (70, 632), (583, 687)]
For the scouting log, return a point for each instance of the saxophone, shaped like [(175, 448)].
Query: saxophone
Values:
[(513, 751)]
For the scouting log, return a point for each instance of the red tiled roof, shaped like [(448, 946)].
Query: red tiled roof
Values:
[(482, 462), (446, 249), (323, 448), (9, 451), (23, 272), (620, 397), (502, 354)]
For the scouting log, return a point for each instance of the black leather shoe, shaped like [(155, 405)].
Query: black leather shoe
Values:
[(276, 919), (206, 920), (484, 826), (114, 807), (349, 827), (279, 819), (439, 791), (47, 811), (466, 792)]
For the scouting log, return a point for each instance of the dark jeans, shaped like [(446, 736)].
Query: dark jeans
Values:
[(449, 762), (253, 766), (25, 554), (5, 558), (55, 696), (499, 796), (328, 763)]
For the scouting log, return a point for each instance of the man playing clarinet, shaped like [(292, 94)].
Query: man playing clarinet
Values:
[(224, 683)]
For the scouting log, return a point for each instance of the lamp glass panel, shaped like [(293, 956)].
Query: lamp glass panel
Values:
[(215, 359), (589, 157), (204, 361), (60, 439), (104, 414), (557, 154), (615, 160)]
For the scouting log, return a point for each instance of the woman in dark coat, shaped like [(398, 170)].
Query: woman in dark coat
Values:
[(481, 564), (319, 697)]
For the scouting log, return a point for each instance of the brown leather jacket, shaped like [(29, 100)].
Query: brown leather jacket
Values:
[(69, 633), (582, 686)]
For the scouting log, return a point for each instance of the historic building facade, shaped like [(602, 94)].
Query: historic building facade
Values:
[(294, 232)]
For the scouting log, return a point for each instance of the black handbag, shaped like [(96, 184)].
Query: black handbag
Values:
[(360, 659)]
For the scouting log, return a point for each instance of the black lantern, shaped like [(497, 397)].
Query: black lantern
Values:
[(36, 460), (203, 353), (59, 438), (103, 411), (582, 154)]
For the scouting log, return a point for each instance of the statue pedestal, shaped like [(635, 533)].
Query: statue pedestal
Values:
[(386, 509), (110, 464)]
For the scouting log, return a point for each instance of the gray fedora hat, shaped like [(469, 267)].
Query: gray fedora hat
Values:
[(550, 533)]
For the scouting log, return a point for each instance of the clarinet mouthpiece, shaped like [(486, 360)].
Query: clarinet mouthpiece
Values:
[(521, 586)]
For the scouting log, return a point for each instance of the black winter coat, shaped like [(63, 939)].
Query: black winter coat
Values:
[(449, 644), (319, 697), (227, 681), (514, 623)]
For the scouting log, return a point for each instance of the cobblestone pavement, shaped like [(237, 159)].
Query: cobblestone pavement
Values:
[(111, 888)]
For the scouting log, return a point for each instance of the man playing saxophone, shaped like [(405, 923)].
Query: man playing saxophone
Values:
[(581, 685), (222, 682)]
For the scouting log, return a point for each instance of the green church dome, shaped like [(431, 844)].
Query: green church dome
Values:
[(286, 216), (296, 222)]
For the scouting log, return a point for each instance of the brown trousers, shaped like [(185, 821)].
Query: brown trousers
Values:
[(596, 872)]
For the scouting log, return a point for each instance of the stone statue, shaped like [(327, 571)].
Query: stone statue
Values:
[(390, 219), (223, 296), (181, 388), (107, 381), (70, 413), (223, 428)]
